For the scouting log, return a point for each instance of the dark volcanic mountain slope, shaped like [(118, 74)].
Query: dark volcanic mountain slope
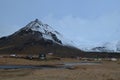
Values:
[(36, 38)]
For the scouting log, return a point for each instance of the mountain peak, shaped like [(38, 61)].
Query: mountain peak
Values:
[(36, 20), (46, 32), (36, 25)]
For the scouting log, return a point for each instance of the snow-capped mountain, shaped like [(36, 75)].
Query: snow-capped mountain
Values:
[(37, 37), (46, 32), (104, 47)]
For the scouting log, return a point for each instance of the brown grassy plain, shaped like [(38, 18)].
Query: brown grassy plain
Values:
[(108, 70)]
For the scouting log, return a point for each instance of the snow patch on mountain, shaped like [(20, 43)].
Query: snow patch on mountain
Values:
[(113, 46), (47, 32), (38, 26)]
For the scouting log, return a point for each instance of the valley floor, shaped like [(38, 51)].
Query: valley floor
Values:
[(108, 70)]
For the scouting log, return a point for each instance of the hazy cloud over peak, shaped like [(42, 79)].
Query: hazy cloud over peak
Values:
[(103, 28)]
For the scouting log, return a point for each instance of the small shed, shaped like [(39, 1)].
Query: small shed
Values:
[(50, 54), (113, 59), (13, 55)]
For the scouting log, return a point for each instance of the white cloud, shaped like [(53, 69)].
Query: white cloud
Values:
[(100, 29)]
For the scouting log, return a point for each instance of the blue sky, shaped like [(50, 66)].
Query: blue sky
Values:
[(85, 21)]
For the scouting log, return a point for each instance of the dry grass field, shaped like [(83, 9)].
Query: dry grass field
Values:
[(108, 70), (21, 61)]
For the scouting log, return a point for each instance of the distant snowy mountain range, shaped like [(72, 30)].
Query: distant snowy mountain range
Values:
[(103, 47)]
